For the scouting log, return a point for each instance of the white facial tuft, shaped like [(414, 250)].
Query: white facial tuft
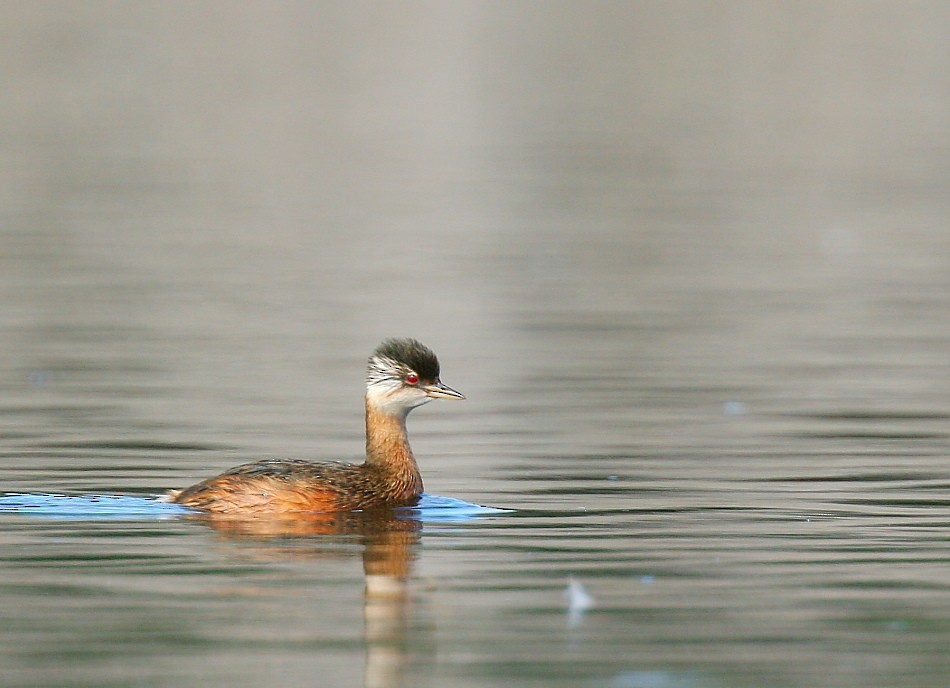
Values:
[(381, 370), (386, 391)]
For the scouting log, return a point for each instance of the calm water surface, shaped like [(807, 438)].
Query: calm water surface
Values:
[(694, 280)]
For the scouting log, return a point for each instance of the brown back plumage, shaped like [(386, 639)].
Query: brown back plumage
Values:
[(291, 485)]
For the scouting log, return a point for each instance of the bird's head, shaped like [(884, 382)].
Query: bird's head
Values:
[(403, 374)]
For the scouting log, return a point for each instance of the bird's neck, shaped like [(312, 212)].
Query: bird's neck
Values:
[(387, 449)]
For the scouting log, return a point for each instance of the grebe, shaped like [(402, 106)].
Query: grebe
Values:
[(400, 375)]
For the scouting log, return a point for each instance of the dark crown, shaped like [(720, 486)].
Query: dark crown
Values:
[(411, 354)]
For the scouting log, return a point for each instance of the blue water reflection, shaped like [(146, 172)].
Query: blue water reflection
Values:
[(431, 508)]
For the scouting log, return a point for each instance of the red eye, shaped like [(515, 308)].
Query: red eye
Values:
[(412, 378)]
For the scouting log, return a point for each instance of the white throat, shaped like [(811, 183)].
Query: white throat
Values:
[(390, 397)]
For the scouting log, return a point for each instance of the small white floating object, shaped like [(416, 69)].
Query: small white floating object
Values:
[(578, 600), (734, 408)]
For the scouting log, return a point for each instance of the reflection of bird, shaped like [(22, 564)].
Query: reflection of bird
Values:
[(401, 374)]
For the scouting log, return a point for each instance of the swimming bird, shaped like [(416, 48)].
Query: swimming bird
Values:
[(401, 374)]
